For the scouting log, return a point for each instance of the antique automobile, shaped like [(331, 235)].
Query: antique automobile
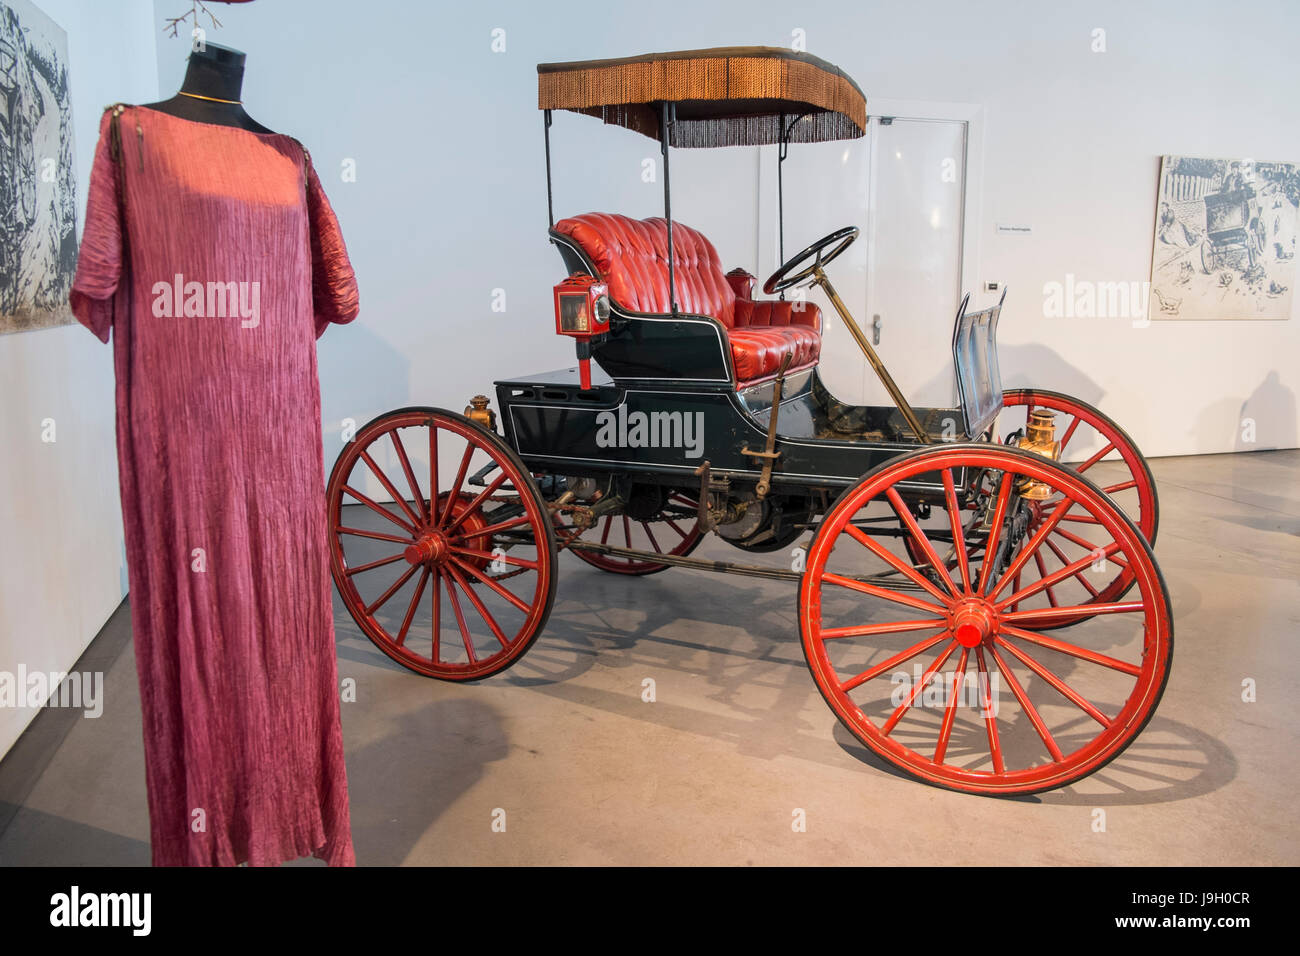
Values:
[(1234, 231), (977, 597)]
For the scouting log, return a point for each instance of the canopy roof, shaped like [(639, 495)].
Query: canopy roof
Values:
[(726, 96)]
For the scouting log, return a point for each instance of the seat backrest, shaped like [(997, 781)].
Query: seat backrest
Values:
[(632, 258)]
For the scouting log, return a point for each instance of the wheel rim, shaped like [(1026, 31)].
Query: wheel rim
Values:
[(1037, 712), (674, 531), (1128, 482), (1132, 486), (452, 585)]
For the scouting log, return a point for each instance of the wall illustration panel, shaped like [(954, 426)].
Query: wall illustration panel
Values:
[(1225, 239), (38, 196)]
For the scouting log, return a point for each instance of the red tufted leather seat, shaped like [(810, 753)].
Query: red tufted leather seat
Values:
[(632, 257)]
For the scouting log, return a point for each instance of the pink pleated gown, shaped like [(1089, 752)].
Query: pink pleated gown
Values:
[(212, 258)]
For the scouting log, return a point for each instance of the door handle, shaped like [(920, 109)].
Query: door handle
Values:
[(875, 330)]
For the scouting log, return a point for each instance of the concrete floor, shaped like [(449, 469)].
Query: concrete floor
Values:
[(711, 772)]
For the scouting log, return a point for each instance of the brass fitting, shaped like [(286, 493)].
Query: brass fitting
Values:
[(477, 411), (1040, 438)]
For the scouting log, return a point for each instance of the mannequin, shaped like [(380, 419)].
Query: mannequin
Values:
[(216, 72), (173, 196)]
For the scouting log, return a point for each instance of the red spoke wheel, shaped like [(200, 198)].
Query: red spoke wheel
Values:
[(440, 544), (1088, 438), (674, 530), (948, 674)]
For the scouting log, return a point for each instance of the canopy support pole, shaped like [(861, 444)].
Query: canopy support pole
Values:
[(780, 196), (782, 149), (669, 116), (550, 209)]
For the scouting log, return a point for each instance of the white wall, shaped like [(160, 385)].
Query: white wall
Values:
[(62, 565), (450, 200), (1072, 147)]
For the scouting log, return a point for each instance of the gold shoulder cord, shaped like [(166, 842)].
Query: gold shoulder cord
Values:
[(210, 99)]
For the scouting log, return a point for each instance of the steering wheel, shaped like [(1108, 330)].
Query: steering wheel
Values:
[(780, 280)]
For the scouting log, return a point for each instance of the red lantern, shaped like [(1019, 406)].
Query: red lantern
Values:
[(582, 312)]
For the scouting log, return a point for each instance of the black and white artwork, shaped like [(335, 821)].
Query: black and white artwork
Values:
[(1225, 239), (38, 221)]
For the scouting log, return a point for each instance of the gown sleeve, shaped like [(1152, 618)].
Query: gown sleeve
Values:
[(333, 284), (99, 261)]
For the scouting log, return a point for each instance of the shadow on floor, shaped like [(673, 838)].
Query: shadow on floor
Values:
[(400, 784), (1174, 760), (41, 839)]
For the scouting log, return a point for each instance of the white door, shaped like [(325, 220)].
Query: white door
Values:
[(904, 186)]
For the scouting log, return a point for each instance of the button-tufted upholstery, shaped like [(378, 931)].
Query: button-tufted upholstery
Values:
[(632, 257)]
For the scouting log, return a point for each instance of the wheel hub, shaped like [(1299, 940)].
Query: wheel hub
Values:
[(972, 622), (430, 548), (433, 544)]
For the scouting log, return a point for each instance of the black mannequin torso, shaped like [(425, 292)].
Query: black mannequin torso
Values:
[(214, 74)]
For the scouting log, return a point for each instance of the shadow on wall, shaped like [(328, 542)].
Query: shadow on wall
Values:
[(1272, 408), (1029, 366), (361, 376), (1266, 420), (1037, 366), (1271, 412)]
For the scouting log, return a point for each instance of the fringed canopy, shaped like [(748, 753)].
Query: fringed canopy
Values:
[(728, 96)]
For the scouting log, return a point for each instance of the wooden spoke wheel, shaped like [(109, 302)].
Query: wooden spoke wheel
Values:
[(1127, 481), (440, 544), (947, 674), (674, 529), (1088, 438)]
